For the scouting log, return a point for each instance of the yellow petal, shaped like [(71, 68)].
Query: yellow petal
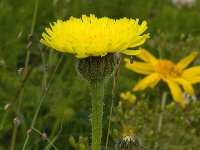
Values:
[(142, 28), (128, 96), (153, 84), (191, 72), (186, 86), (176, 92), (45, 42), (131, 52), (146, 82), (194, 80), (139, 40), (146, 56), (139, 67), (183, 63)]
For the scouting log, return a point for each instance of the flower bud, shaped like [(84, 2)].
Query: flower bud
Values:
[(6, 106), (129, 142), (29, 131), (44, 136), (16, 121), (20, 70), (20, 34), (29, 45), (31, 36)]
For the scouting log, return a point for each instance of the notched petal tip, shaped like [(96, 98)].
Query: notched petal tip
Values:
[(144, 22), (147, 36)]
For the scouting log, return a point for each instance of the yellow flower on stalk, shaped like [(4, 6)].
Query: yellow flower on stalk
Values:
[(97, 43), (175, 75), (92, 36), (128, 96)]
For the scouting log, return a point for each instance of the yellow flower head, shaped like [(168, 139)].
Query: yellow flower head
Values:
[(128, 96), (92, 36), (162, 69)]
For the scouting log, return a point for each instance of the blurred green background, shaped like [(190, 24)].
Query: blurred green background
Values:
[(64, 114)]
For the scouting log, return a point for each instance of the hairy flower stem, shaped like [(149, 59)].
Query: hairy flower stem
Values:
[(97, 93), (97, 70)]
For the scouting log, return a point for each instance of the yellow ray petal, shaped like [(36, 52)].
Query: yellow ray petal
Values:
[(142, 28), (147, 82), (191, 72), (139, 40), (186, 86), (45, 42), (194, 80), (155, 83), (183, 63), (139, 67), (176, 92), (131, 52), (146, 56)]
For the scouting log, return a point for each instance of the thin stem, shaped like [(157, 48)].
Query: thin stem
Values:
[(97, 93), (55, 138), (25, 72), (17, 95), (45, 138), (112, 102), (163, 102), (160, 121), (32, 31), (26, 63), (12, 147), (4, 118), (54, 128), (34, 16), (111, 110), (41, 101), (108, 131)]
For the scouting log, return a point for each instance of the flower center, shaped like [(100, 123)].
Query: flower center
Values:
[(167, 68)]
